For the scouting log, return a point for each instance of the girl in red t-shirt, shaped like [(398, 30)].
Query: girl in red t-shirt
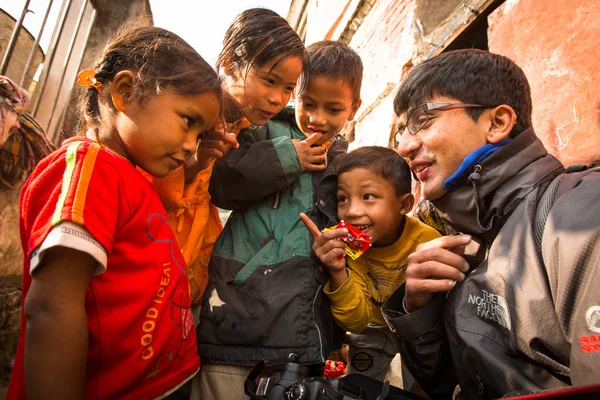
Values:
[(106, 310)]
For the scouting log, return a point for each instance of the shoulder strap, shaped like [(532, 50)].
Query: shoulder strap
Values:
[(544, 206), (557, 188)]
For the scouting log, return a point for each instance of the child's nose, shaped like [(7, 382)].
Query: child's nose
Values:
[(354, 210), (276, 97), (190, 143), (317, 118)]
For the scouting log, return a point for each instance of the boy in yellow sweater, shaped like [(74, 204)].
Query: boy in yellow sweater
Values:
[(374, 195)]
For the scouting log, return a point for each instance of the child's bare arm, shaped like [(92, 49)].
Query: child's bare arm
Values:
[(56, 349)]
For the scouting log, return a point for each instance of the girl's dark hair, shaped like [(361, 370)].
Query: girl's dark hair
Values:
[(384, 162), (257, 36), (159, 60)]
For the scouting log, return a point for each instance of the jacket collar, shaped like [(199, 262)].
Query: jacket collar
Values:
[(480, 205)]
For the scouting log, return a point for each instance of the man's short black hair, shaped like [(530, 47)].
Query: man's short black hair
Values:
[(384, 162), (335, 60), (471, 76)]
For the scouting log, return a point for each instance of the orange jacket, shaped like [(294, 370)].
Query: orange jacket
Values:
[(194, 220)]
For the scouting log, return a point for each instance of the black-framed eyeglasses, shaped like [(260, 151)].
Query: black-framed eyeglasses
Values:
[(418, 117)]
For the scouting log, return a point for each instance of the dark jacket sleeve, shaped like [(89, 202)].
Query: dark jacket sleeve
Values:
[(257, 169), (571, 252), (423, 344)]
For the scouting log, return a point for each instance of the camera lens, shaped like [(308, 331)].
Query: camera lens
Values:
[(295, 392)]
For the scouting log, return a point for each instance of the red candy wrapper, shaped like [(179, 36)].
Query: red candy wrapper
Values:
[(334, 369), (357, 242)]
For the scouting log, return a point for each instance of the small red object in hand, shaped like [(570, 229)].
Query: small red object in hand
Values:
[(334, 369), (357, 242)]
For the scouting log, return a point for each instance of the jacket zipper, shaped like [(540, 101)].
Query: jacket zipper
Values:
[(276, 201), (474, 178), (317, 325)]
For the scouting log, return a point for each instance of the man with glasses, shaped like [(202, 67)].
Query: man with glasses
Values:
[(510, 303)]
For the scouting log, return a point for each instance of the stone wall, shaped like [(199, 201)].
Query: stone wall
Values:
[(10, 314)]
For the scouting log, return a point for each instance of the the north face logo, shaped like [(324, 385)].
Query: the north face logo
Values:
[(491, 306)]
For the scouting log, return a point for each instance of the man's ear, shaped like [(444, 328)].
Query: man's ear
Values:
[(121, 90), (407, 202), (355, 107), (502, 120)]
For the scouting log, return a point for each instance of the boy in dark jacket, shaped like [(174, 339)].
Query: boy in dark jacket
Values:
[(265, 298)]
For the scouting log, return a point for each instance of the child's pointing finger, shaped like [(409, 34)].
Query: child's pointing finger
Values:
[(310, 225)]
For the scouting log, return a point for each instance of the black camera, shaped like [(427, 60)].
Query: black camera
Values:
[(293, 381)]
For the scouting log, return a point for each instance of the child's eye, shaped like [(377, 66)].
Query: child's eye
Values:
[(307, 105), (342, 199), (368, 196), (269, 81), (335, 110), (189, 121), (290, 89)]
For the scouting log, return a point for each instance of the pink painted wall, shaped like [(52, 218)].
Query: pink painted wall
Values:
[(556, 44)]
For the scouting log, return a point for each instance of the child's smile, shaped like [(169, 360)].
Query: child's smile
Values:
[(370, 203)]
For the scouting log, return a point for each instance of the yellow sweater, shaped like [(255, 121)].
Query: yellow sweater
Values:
[(373, 277)]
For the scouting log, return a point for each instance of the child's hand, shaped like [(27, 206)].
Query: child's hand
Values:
[(211, 146), (326, 245), (214, 145), (311, 158)]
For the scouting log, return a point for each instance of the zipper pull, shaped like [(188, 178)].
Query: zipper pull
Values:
[(475, 175)]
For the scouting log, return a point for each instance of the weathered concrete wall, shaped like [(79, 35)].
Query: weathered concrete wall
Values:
[(557, 47), (20, 52), (110, 16), (60, 70), (385, 42)]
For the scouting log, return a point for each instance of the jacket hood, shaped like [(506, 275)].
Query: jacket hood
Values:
[(481, 204)]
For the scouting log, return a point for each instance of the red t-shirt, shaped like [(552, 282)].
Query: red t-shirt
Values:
[(142, 341)]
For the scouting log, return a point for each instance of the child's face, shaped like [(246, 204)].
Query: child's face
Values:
[(161, 133), (264, 91), (325, 106), (370, 203)]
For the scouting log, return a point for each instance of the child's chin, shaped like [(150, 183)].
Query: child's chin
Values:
[(159, 174)]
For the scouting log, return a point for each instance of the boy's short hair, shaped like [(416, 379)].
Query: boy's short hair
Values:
[(337, 61), (383, 161), (471, 76)]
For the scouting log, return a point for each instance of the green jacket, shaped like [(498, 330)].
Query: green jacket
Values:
[(264, 299)]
